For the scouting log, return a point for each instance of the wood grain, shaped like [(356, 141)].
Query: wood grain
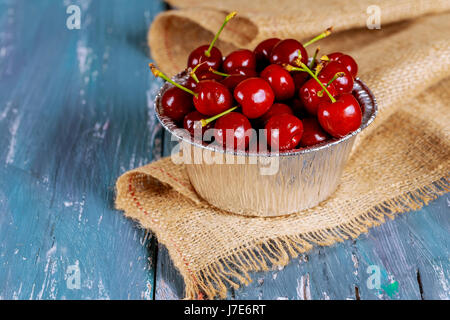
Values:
[(74, 115)]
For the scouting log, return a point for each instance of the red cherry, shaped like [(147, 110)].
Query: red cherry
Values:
[(298, 108), (176, 103), (255, 96), (239, 59), (349, 63), (280, 80), (263, 50), (286, 52), (345, 60), (198, 56), (233, 131), (210, 56), (299, 79), (334, 56), (212, 97), (308, 94), (284, 131), (240, 75), (190, 83), (207, 75), (341, 117), (192, 121), (344, 83), (275, 109), (312, 133)]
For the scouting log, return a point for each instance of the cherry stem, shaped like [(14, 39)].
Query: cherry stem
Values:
[(305, 68), (318, 69), (313, 62), (227, 18), (161, 75), (218, 72), (192, 73), (217, 116), (337, 75), (324, 34), (324, 58)]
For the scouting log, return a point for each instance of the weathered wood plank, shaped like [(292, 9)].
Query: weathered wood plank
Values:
[(340, 271), (168, 281), (73, 116)]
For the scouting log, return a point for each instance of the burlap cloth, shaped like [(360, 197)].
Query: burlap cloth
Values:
[(400, 163)]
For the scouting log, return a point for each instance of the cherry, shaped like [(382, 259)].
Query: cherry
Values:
[(231, 81), (287, 52), (212, 97), (346, 61), (312, 133), (255, 96), (176, 103), (298, 108), (239, 59), (209, 54), (197, 56), (198, 76), (233, 131), (190, 83), (280, 80), (343, 83), (275, 109), (246, 72), (309, 94), (340, 117), (192, 121), (284, 131), (334, 56), (299, 79), (263, 50)]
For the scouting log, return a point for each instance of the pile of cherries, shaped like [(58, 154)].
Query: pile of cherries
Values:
[(299, 101)]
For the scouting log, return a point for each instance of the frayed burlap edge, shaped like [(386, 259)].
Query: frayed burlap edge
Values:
[(233, 271)]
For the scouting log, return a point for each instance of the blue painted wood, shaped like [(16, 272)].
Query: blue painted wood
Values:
[(75, 112), (74, 115)]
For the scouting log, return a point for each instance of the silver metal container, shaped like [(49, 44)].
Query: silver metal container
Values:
[(239, 181)]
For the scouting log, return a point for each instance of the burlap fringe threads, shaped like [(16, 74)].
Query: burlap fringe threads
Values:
[(233, 271)]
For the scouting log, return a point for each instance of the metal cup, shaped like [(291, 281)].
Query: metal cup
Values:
[(267, 184)]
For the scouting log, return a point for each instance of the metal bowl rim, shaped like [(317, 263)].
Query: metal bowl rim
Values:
[(216, 148)]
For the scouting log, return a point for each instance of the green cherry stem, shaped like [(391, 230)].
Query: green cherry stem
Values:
[(161, 75), (219, 73), (217, 116), (324, 34), (337, 75), (305, 68), (228, 18)]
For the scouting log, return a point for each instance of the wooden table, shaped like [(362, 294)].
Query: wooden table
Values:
[(76, 112)]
